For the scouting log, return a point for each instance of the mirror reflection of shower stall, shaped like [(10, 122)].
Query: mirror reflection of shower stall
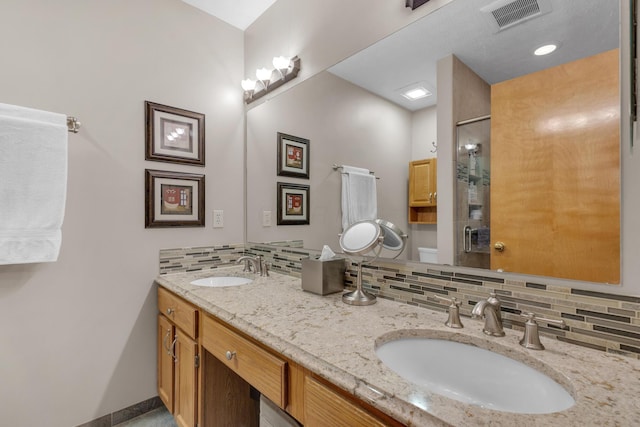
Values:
[(473, 186)]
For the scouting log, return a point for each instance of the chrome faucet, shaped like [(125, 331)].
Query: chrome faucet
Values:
[(490, 310), (259, 265)]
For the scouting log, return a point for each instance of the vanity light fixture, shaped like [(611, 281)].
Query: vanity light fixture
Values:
[(545, 50), (287, 69)]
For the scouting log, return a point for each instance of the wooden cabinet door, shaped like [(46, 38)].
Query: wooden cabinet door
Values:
[(422, 183), (165, 361), (186, 381)]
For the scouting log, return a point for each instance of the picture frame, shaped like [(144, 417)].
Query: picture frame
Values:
[(293, 204), (293, 156), (173, 199), (174, 135)]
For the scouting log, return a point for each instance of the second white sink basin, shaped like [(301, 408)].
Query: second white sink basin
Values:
[(221, 282), (474, 375)]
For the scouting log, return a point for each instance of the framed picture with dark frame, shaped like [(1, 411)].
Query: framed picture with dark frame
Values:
[(173, 199), (293, 156), (174, 135), (293, 204)]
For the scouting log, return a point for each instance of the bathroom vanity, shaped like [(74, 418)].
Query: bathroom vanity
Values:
[(315, 357)]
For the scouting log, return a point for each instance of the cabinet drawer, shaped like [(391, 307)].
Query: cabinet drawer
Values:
[(180, 312), (252, 363), (324, 407)]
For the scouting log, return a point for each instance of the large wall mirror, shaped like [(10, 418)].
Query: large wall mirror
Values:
[(355, 114)]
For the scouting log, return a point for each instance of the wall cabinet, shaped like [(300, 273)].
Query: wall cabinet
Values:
[(178, 357), (423, 191)]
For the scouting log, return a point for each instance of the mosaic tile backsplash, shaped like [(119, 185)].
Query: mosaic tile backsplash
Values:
[(197, 259), (598, 320)]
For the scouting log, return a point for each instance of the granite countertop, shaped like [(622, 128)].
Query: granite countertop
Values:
[(338, 341)]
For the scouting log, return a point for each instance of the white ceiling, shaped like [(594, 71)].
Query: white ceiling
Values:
[(239, 13), (409, 56)]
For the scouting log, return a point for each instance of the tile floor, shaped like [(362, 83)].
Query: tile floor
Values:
[(159, 417)]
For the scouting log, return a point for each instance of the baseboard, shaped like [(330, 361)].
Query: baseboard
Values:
[(125, 414)]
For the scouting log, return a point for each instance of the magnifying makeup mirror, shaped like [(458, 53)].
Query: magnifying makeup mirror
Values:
[(362, 238)]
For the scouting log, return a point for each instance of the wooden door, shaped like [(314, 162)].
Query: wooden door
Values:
[(555, 184), (186, 380), (165, 362)]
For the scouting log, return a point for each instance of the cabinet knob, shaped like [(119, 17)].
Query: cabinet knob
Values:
[(499, 246), (170, 311), (230, 355)]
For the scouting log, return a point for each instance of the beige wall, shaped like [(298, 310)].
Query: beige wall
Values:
[(78, 336), (345, 125)]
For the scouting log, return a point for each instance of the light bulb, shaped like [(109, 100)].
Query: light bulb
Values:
[(263, 74), (545, 50), (248, 85), (281, 62)]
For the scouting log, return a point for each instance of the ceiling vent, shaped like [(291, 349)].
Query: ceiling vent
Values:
[(504, 14)]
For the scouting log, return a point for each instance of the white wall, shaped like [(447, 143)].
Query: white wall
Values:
[(78, 336)]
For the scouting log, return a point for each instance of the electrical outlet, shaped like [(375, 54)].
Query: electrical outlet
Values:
[(266, 218), (218, 219)]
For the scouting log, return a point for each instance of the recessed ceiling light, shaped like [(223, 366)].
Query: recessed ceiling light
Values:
[(545, 50), (416, 93)]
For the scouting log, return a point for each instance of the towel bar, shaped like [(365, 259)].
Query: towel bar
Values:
[(73, 125), (336, 167)]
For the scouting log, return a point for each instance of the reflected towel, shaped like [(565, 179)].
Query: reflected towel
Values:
[(33, 184), (359, 200)]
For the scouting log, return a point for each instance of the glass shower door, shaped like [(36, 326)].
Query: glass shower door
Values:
[(473, 186)]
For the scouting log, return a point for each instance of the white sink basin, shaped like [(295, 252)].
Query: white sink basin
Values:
[(474, 375), (221, 282)]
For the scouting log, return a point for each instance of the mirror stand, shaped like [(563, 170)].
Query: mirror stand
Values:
[(359, 296)]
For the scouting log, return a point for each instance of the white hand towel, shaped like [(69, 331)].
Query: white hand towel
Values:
[(33, 184), (359, 199)]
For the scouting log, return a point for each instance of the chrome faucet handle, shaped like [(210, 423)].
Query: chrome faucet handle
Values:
[(490, 309), (247, 263), (531, 338), (454, 312), (265, 268)]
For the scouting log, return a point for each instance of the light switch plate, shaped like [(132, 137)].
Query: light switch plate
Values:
[(218, 218), (266, 218)]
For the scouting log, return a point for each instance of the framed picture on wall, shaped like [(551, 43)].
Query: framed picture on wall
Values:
[(173, 199), (293, 204), (174, 135), (293, 156)]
